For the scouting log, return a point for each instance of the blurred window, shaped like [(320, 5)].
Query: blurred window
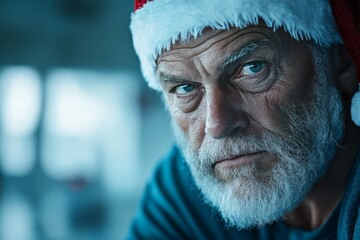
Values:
[(92, 127), (17, 220), (19, 111)]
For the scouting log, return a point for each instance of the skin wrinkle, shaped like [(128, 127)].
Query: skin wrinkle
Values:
[(256, 31), (164, 78), (181, 47), (191, 44), (176, 47), (283, 68), (201, 68), (270, 99), (249, 118), (266, 112), (241, 53)]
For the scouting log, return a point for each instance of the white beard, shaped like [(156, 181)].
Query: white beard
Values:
[(246, 197)]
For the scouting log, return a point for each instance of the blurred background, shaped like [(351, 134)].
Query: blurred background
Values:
[(79, 129)]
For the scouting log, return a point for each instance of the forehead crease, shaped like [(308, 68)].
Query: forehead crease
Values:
[(235, 45), (183, 51), (196, 42), (196, 46)]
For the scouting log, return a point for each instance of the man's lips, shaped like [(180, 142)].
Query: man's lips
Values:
[(239, 159)]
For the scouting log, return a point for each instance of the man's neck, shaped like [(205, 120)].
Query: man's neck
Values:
[(329, 190)]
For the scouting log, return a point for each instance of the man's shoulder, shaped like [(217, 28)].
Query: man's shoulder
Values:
[(172, 170), (172, 185), (349, 220), (166, 201)]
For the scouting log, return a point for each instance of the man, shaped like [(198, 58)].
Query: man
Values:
[(259, 94)]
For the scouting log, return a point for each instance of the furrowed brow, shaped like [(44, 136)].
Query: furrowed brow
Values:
[(169, 79), (244, 51)]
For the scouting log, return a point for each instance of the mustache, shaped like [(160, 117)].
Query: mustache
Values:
[(214, 150)]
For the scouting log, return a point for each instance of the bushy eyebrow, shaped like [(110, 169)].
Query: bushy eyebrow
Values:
[(245, 50), (164, 79), (242, 52)]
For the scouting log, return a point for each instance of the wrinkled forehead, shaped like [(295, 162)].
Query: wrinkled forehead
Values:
[(208, 32), (248, 38)]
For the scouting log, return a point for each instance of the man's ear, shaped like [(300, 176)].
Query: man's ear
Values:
[(345, 75)]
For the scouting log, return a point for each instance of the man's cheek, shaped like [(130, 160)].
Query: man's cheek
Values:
[(192, 127), (265, 113)]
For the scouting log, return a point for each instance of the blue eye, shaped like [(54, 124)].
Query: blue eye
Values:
[(252, 68), (184, 89), (254, 77)]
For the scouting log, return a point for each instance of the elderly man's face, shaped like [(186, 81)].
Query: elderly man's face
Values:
[(255, 118)]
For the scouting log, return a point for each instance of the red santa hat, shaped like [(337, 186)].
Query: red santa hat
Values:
[(156, 24)]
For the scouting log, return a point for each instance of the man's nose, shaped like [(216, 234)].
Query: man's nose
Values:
[(224, 114)]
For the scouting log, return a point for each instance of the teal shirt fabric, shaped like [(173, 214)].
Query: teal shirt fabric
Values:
[(173, 208)]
